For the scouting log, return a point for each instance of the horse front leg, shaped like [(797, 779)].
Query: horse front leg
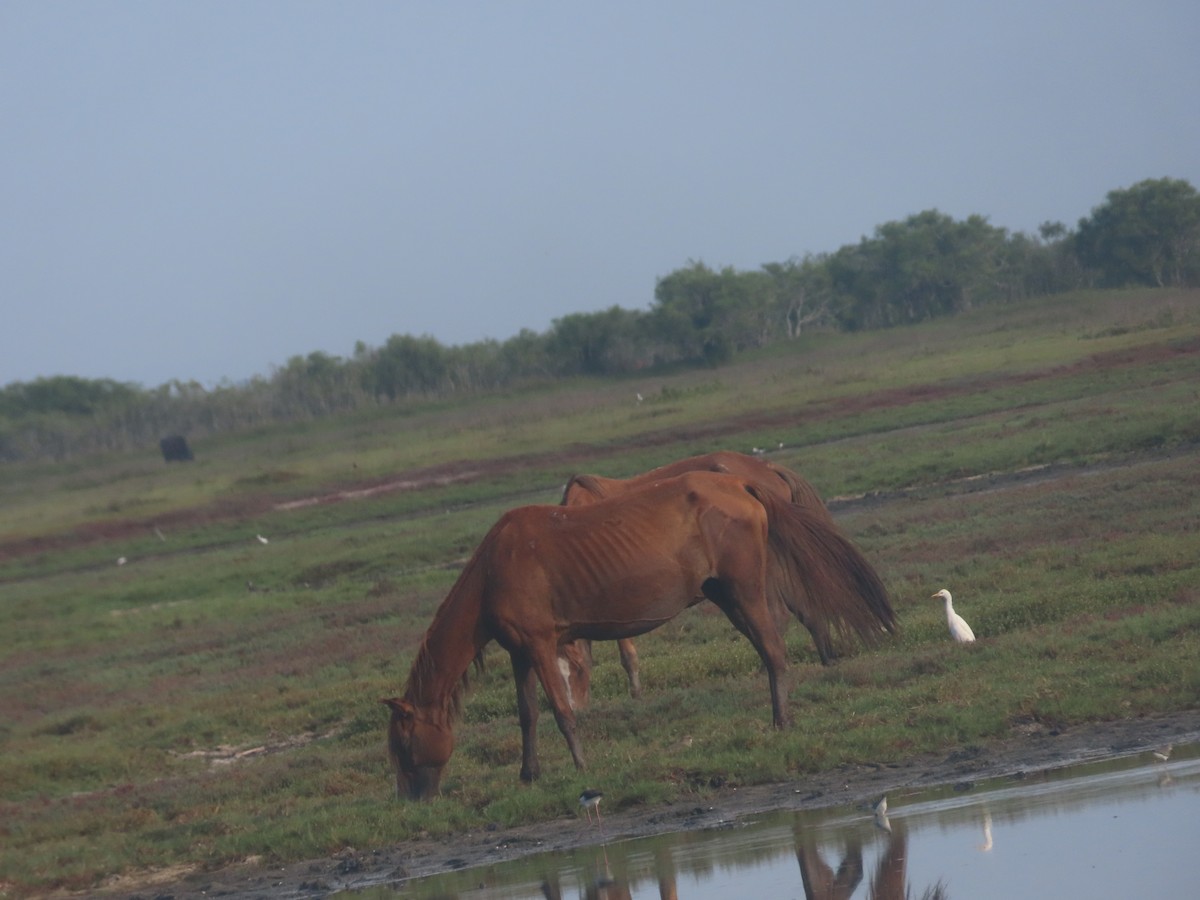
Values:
[(527, 714)]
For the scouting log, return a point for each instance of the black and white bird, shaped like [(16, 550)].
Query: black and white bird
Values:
[(590, 800)]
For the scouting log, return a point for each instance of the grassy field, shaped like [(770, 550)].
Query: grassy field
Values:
[(216, 698)]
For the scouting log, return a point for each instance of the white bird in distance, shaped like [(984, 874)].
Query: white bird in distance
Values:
[(959, 629)]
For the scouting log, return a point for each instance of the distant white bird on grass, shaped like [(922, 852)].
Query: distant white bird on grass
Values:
[(261, 539), (959, 629)]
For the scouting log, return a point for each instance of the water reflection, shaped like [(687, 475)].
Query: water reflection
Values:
[(1086, 827)]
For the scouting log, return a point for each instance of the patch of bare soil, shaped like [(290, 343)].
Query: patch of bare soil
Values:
[(1034, 748)]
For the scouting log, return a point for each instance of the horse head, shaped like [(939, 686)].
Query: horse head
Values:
[(419, 748)]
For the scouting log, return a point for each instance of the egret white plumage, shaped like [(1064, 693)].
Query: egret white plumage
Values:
[(959, 629), (1162, 754)]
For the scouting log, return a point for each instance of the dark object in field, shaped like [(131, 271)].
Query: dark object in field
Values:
[(175, 448), (548, 575)]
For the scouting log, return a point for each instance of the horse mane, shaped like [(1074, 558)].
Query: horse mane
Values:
[(802, 490), (820, 574), (427, 666), (588, 483)]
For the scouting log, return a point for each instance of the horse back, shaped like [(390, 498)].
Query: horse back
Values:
[(779, 480), (648, 549)]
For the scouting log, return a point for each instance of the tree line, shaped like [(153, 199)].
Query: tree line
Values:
[(907, 271)]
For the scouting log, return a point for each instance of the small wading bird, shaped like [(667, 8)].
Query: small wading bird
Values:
[(590, 800), (959, 629), (1163, 753)]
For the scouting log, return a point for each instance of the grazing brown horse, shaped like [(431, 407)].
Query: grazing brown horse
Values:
[(777, 479), (544, 576)]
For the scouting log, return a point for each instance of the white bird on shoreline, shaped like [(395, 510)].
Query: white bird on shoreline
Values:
[(959, 629)]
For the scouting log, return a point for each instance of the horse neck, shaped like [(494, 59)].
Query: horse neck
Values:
[(454, 640)]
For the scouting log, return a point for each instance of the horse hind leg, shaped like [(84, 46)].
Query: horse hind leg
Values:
[(752, 618), (629, 662)]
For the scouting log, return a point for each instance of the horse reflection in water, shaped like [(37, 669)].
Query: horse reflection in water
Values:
[(545, 576), (889, 881), (821, 615), (820, 881), (602, 884)]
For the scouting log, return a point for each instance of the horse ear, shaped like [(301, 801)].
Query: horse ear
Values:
[(401, 708)]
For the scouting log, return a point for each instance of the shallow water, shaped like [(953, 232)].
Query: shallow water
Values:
[(1125, 827)]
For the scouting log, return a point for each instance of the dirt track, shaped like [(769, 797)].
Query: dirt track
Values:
[(251, 506)]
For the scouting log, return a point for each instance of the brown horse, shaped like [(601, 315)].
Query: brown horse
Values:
[(769, 476), (548, 575)]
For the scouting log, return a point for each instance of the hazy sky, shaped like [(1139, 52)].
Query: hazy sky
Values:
[(202, 190)]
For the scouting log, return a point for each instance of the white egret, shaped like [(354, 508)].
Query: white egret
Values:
[(261, 539), (959, 629), (1163, 753)]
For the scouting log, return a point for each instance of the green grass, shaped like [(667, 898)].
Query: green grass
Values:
[(216, 699)]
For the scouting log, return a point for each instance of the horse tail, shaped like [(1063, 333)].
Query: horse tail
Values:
[(821, 576)]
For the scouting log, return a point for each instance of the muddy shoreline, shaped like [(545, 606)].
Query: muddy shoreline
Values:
[(1031, 748)]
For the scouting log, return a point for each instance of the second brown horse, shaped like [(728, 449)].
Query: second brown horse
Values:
[(850, 614)]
